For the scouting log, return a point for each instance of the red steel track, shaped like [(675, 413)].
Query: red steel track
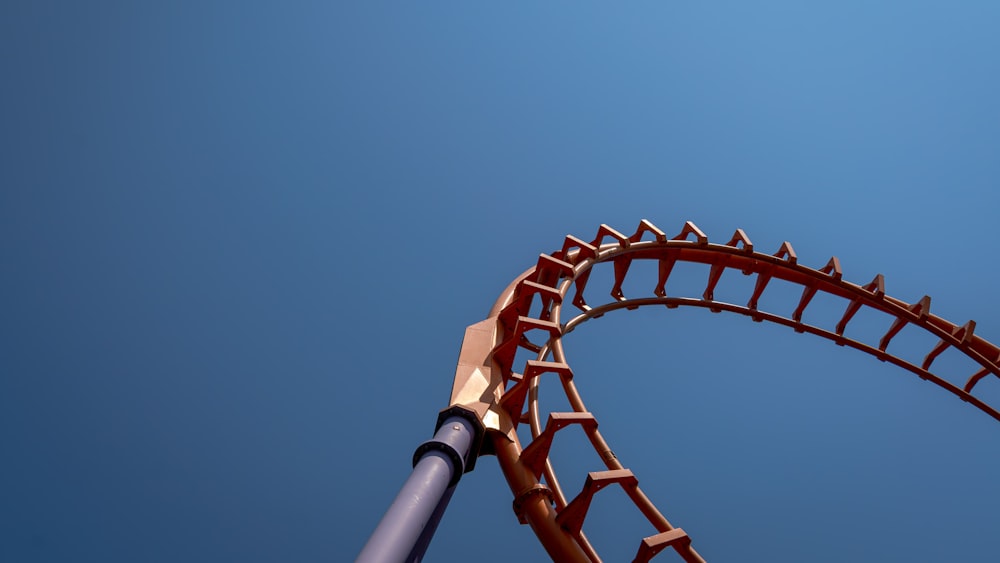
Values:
[(529, 318)]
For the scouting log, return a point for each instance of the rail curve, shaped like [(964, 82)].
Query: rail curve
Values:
[(528, 320)]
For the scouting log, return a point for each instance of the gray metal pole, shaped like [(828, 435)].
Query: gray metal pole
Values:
[(428, 534), (438, 465)]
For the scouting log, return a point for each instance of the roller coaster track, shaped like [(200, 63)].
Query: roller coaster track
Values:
[(529, 320)]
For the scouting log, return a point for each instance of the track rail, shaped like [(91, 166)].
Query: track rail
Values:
[(529, 318)]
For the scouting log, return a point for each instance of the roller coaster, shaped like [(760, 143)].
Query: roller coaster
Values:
[(490, 400)]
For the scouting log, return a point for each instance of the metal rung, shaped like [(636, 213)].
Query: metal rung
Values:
[(571, 518), (654, 544)]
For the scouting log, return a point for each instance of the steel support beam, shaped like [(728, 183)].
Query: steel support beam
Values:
[(405, 530)]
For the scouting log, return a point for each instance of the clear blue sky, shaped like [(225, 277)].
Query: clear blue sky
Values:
[(240, 243)]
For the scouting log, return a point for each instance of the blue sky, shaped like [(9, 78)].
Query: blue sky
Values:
[(240, 244)]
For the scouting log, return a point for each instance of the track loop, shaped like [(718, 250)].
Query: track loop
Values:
[(493, 388)]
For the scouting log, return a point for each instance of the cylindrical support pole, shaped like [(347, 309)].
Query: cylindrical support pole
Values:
[(438, 465), (425, 537)]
